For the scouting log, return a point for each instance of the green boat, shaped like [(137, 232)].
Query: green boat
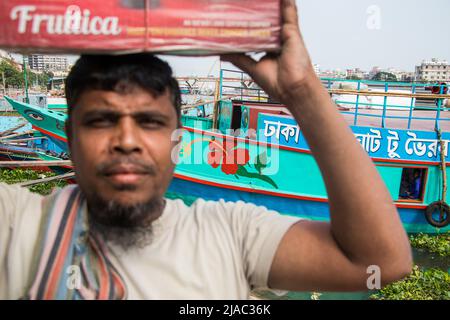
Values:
[(251, 149)]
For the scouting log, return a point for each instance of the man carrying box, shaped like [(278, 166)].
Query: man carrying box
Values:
[(114, 236)]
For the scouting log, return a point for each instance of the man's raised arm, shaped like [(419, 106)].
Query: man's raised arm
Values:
[(365, 228)]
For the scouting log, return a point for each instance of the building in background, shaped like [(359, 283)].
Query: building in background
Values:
[(433, 70), (405, 76), (52, 63), (337, 73), (400, 75), (5, 55), (356, 73)]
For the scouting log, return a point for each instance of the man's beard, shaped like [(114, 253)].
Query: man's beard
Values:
[(127, 226)]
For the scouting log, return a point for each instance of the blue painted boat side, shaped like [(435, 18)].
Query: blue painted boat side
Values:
[(413, 219)]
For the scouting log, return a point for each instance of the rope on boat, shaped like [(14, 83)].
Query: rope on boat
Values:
[(443, 166), (441, 206)]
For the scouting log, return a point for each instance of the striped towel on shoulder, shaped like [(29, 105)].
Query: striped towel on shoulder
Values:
[(72, 263)]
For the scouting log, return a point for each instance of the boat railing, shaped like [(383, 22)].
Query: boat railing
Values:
[(391, 104), (244, 88), (406, 98)]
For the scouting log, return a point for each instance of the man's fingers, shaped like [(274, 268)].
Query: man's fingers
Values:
[(289, 13), (242, 61), (270, 56), (262, 72)]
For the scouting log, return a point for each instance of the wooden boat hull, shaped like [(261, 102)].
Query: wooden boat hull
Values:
[(13, 153)]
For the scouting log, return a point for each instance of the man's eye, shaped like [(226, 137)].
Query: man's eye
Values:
[(99, 122), (151, 123)]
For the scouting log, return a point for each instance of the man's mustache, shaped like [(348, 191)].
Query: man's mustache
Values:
[(114, 165)]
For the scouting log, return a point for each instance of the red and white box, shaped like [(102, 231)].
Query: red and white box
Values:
[(190, 27)]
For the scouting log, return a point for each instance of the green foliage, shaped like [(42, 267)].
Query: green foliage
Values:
[(354, 77), (14, 76), (431, 284), (439, 244), (385, 76), (40, 79), (22, 175)]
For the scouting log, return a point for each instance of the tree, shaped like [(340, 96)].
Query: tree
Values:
[(354, 77), (40, 79), (13, 76), (385, 76)]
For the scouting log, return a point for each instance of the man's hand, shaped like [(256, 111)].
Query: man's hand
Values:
[(280, 75)]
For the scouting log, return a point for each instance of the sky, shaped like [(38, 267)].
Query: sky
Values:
[(362, 33), (347, 34)]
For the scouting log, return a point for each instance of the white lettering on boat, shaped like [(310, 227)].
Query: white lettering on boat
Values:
[(420, 147), (370, 142), (74, 21), (393, 144), (276, 128)]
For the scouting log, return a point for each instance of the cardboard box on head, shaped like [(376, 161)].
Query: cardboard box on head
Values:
[(140, 4), (189, 27)]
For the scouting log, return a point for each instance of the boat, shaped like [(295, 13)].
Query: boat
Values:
[(19, 144), (32, 147), (17, 153), (251, 149)]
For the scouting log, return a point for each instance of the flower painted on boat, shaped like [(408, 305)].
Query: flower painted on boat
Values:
[(227, 156), (236, 161)]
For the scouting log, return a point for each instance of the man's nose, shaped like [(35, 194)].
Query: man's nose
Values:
[(126, 137)]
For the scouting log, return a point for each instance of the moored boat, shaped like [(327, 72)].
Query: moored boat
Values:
[(251, 149)]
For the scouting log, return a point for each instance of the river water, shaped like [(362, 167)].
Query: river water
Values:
[(8, 122)]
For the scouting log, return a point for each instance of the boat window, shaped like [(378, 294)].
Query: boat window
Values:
[(412, 186), (236, 118)]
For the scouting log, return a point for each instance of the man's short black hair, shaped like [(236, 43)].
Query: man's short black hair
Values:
[(121, 73)]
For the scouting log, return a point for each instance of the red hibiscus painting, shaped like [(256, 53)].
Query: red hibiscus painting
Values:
[(233, 160)]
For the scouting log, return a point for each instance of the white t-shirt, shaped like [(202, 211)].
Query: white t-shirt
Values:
[(210, 250)]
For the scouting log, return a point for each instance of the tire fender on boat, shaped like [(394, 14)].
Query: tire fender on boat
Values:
[(438, 206)]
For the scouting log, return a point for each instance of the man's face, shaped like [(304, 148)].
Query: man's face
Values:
[(121, 145)]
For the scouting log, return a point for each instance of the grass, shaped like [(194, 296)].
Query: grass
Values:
[(439, 244), (21, 175), (430, 284), (422, 284)]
